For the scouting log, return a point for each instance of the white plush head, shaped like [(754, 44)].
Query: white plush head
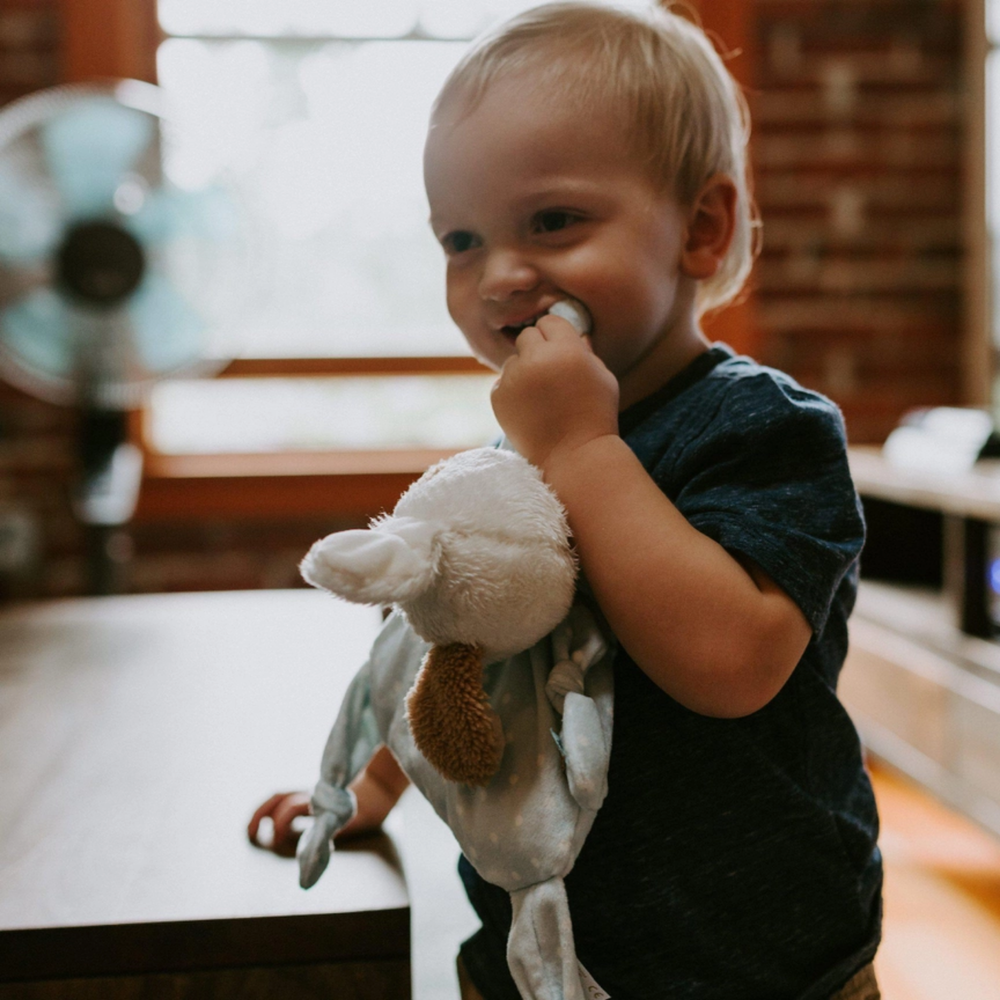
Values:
[(477, 551)]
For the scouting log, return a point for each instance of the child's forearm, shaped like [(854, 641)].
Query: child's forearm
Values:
[(377, 789), (719, 637)]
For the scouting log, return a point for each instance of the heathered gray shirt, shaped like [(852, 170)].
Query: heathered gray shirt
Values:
[(731, 858)]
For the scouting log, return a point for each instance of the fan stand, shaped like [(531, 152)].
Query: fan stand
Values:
[(106, 496), (100, 264)]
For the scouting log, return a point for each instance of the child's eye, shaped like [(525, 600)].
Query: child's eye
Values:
[(554, 220), (458, 242)]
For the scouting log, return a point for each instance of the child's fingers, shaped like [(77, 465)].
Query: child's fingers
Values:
[(281, 810), (529, 337), (557, 328), (548, 330), (265, 809), (285, 813)]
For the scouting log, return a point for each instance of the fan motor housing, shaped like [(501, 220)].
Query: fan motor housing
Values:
[(99, 263)]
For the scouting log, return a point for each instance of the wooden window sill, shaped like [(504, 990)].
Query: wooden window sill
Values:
[(290, 484), (345, 484)]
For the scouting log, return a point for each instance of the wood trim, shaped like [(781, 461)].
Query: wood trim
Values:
[(295, 463), (977, 348), (350, 485), (294, 367), (270, 498), (104, 39)]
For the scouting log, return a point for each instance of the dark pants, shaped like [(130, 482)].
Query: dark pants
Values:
[(861, 986)]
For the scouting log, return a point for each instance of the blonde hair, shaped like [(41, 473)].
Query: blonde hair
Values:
[(683, 115)]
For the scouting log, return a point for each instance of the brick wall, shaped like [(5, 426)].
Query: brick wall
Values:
[(37, 531), (29, 37), (858, 154)]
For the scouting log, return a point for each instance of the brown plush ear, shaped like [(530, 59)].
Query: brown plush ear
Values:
[(450, 717)]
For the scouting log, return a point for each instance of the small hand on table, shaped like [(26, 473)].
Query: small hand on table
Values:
[(273, 825)]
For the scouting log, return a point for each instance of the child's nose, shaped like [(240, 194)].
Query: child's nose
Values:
[(505, 273)]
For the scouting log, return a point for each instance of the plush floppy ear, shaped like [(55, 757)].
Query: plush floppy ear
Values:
[(395, 560)]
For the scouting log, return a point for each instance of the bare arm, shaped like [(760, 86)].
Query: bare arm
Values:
[(378, 788), (717, 635), (720, 637)]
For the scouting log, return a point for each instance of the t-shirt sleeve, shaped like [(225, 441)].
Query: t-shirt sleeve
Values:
[(768, 479)]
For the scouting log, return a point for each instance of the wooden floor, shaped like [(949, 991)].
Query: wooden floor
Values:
[(942, 899)]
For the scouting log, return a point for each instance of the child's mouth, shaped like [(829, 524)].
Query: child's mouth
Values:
[(512, 330)]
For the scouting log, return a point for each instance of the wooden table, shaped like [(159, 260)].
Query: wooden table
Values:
[(137, 735)]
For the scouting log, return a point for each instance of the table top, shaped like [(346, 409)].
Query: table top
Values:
[(137, 736), (972, 493)]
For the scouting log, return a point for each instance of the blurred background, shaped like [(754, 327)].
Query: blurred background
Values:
[(869, 145), (288, 366)]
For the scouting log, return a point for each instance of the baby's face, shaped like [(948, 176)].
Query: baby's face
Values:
[(534, 203)]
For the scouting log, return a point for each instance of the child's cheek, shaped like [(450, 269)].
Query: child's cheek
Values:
[(462, 302), (589, 275)]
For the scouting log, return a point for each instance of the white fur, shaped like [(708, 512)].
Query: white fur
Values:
[(476, 551), (392, 562)]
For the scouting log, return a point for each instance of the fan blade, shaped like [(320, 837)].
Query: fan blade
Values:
[(208, 214), (29, 221), (90, 147), (168, 331), (38, 330)]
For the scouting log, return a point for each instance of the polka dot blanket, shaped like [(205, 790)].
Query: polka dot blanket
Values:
[(524, 830)]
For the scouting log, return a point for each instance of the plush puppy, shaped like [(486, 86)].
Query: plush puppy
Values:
[(477, 556), (507, 726)]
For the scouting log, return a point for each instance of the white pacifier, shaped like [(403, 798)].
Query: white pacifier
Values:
[(574, 313)]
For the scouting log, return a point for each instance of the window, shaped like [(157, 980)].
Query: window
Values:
[(317, 113), (284, 95)]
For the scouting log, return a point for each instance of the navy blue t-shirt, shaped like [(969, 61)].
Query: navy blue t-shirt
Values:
[(733, 859)]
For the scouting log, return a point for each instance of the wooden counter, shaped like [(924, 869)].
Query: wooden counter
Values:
[(137, 735)]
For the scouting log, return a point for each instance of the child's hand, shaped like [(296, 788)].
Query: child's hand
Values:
[(377, 789), (282, 809), (555, 394)]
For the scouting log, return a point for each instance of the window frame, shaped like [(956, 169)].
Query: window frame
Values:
[(119, 38), (978, 352)]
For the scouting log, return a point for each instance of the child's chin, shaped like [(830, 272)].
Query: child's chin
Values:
[(503, 347), (495, 359)]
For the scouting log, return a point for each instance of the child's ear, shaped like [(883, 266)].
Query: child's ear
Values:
[(710, 228)]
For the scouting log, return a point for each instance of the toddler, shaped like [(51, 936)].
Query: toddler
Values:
[(584, 152)]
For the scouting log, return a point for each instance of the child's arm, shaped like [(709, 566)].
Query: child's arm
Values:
[(717, 635), (377, 789)]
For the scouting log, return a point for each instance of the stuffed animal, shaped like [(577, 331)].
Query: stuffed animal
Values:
[(491, 683), (476, 555)]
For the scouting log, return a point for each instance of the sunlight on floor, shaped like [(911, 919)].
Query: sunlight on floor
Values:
[(942, 899)]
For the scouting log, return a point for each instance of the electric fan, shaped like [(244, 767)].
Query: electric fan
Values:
[(114, 273)]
